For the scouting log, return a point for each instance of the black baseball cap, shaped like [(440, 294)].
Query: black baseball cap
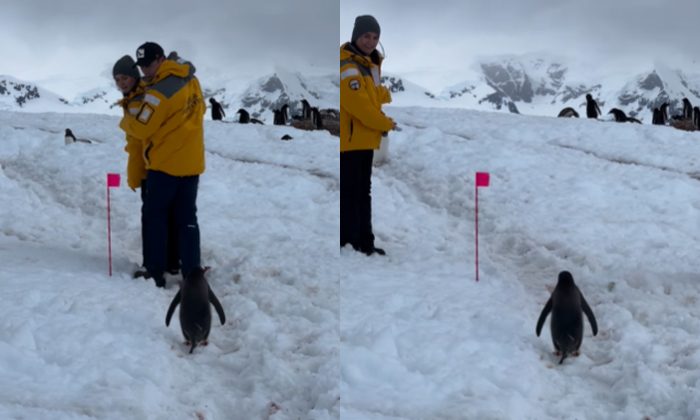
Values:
[(146, 53)]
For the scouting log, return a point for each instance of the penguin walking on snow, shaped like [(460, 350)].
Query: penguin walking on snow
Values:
[(567, 306), (592, 108), (217, 111), (194, 298)]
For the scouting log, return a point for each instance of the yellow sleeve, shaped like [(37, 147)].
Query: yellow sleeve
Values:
[(150, 118), (136, 166), (356, 101), (384, 95)]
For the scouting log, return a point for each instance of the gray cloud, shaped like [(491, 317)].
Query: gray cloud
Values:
[(444, 34), (42, 38)]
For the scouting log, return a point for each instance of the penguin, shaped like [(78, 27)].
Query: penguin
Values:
[(245, 116), (696, 118), (568, 113), (278, 118), (687, 110), (567, 305), (70, 138), (286, 137), (217, 111), (620, 116), (194, 298), (664, 113), (592, 108), (305, 110), (284, 111), (656, 117), (316, 119)]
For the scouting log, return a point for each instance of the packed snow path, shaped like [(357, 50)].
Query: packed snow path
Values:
[(78, 344), (618, 205)]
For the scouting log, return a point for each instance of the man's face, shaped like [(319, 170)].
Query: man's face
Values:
[(150, 70), (124, 83), (368, 43)]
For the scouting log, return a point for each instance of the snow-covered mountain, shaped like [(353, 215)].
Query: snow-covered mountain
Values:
[(17, 94), (535, 85), (258, 96)]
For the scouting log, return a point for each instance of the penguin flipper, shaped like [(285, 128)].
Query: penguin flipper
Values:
[(545, 311), (589, 314), (171, 309), (219, 310)]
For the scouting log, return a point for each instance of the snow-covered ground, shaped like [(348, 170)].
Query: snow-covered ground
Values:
[(618, 205), (78, 344)]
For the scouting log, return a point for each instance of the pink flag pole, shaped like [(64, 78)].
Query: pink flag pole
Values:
[(113, 181), (482, 180)]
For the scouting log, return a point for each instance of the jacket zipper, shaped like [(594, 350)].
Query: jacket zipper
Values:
[(148, 149), (351, 126)]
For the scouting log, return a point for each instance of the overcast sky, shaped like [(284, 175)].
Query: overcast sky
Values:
[(81, 38), (421, 37)]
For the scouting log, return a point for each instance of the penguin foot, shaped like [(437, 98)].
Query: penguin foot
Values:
[(557, 353), (187, 343), (203, 343), (575, 354)]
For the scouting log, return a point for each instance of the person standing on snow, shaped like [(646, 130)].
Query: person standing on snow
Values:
[(170, 125), (129, 82), (361, 125)]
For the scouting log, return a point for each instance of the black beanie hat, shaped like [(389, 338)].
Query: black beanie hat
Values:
[(125, 65), (364, 24)]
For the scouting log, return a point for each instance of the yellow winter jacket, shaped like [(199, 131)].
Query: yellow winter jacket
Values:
[(361, 97), (136, 166), (170, 121)]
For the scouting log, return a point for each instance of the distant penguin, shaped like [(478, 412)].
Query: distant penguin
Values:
[(592, 108), (217, 111), (70, 138), (278, 119), (194, 298), (305, 110), (284, 111), (568, 113), (656, 117), (663, 110), (286, 137), (567, 306), (316, 119), (687, 110), (245, 116), (696, 118), (620, 116)]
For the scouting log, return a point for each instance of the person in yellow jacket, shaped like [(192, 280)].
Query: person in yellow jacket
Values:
[(170, 125), (128, 80), (361, 125)]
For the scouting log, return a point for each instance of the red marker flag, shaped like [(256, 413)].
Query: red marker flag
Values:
[(482, 180), (113, 181)]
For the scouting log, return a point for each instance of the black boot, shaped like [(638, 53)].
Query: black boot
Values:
[(160, 281), (142, 272)]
